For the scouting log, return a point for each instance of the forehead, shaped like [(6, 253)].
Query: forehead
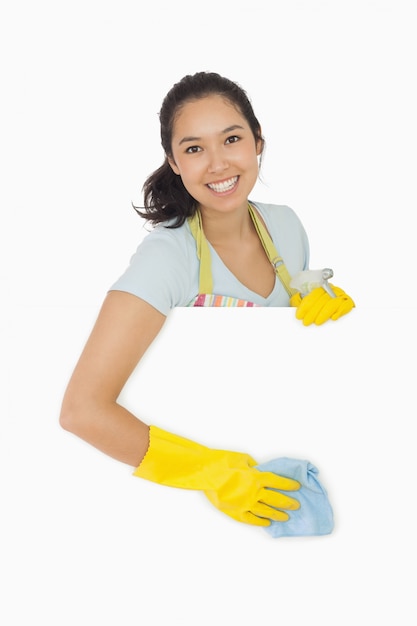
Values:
[(209, 114)]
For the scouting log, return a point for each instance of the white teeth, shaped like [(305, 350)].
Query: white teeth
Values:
[(224, 186)]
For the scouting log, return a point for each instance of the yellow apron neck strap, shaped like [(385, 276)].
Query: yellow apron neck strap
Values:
[(271, 252), (203, 252)]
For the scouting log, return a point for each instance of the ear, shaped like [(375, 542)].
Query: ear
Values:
[(260, 143), (173, 166)]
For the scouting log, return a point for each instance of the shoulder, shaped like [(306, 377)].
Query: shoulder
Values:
[(162, 269), (167, 242), (164, 252)]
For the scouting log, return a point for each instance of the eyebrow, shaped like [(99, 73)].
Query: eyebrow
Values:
[(223, 132)]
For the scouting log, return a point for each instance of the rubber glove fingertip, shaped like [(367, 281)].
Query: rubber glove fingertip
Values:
[(297, 506), (281, 516), (290, 484)]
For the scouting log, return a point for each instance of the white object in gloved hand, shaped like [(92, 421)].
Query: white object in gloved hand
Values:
[(308, 280), (316, 300)]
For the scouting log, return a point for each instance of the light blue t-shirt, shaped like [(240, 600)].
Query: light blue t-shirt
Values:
[(164, 271)]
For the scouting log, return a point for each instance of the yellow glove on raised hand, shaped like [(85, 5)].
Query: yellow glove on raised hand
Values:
[(318, 306), (228, 479)]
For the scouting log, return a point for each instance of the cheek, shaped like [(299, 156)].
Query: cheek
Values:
[(189, 169), (247, 157)]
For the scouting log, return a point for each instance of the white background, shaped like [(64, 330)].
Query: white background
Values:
[(333, 85)]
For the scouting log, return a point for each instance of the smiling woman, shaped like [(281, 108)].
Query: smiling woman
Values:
[(210, 246), (219, 166)]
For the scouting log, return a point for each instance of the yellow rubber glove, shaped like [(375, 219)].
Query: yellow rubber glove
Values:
[(318, 306), (228, 479)]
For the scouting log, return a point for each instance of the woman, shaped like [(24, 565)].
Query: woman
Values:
[(210, 247)]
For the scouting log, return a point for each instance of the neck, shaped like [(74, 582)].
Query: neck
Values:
[(224, 228)]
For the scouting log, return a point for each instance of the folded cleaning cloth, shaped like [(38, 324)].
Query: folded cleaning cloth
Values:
[(315, 515)]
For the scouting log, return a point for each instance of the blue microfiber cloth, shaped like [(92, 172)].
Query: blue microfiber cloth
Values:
[(315, 515)]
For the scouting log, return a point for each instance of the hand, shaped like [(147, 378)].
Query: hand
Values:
[(228, 479), (318, 306), (247, 496)]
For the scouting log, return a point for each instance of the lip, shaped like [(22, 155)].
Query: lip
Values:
[(224, 187)]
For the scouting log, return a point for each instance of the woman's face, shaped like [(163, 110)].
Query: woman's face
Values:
[(215, 153)]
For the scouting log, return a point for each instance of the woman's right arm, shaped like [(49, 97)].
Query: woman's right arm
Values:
[(125, 328)]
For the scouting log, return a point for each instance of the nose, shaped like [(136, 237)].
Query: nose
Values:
[(217, 162)]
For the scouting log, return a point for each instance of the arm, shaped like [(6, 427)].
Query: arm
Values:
[(125, 328)]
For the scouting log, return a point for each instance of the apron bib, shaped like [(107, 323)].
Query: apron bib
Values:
[(205, 291)]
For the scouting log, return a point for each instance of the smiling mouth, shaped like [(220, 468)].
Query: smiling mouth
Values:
[(225, 185)]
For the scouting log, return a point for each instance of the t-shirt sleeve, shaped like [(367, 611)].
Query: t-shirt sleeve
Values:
[(159, 271)]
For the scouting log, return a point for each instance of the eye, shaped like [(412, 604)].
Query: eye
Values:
[(232, 139), (192, 150)]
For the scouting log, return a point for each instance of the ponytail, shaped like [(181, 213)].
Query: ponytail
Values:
[(166, 198)]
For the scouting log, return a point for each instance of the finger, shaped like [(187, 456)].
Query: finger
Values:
[(329, 309), (250, 518), (312, 314), (334, 309), (263, 511), (346, 306), (275, 481), (309, 301), (278, 500)]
